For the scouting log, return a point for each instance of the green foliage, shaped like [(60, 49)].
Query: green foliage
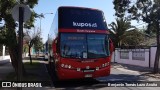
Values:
[(31, 3), (9, 36), (38, 44), (2, 35), (149, 13), (133, 38), (121, 6), (1, 49), (8, 33), (34, 65), (5, 15), (30, 23), (119, 28), (34, 36), (145, 10), (122, 35), (25, 48)]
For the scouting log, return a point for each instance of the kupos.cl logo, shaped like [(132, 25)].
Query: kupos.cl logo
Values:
[(85, 24)]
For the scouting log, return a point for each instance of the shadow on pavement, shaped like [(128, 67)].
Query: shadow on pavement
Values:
[(133, 67), (86, 83), (97, 83), (75, 83), (82, 84), (122, 77)]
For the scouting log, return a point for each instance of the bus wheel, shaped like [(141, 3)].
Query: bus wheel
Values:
[(54, 74), (55, 78)]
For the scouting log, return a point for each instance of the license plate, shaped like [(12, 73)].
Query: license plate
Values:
[(88, 71), (88, 75)]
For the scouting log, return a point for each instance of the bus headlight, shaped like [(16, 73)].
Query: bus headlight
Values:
[(69, 66), (62, 65), (97, 68), (103, 65), (66, 66), (106, 64), (78, 69)]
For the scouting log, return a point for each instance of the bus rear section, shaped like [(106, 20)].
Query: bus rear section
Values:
[(81, 48)]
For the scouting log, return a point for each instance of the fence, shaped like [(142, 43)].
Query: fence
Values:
[(139, 56), (4, 53)]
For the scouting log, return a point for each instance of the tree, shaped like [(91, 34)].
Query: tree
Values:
[(38, 45), (121, 7), (123, 22), (33, 38), (133, 38), (25, 49), (119, 27), (146, 10), (9, 33)]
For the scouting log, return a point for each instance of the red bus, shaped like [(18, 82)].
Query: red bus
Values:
[(79, 44)]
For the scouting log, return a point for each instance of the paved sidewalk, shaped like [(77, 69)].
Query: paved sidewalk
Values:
[(142, 70), (5, 68), (132, 67), (3, 62), (40, 73)]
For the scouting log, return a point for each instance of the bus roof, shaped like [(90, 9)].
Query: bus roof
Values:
[(81, 18), (79, 8)]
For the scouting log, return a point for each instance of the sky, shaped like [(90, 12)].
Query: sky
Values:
[(50, 6)]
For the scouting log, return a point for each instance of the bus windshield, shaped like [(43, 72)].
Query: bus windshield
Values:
[(84, 45)]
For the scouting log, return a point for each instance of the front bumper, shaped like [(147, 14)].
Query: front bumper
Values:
[(63, 73)]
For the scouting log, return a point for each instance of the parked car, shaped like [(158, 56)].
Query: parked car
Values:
[(46, 57)]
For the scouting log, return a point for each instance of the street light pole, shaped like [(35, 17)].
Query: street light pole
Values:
[(40, 21), (20, 44), (40, 17)]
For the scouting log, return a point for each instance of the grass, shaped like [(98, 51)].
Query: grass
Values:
[(35, 64), (30, 75)]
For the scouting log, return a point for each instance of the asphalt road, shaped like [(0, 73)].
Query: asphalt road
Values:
[(117, 75)]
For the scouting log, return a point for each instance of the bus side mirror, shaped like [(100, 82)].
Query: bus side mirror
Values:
[(55, 46), (84, 54), (111, 46)]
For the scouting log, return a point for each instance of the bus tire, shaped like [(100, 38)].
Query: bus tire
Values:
[(54, 74)]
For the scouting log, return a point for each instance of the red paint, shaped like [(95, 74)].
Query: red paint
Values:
[(72, 73), (84, 31)]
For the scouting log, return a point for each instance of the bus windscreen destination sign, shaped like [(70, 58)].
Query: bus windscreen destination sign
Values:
[(81, 18)]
